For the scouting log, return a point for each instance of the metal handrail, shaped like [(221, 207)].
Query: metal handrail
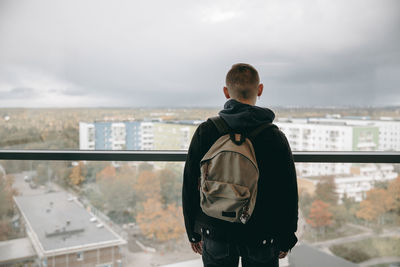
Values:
[(173, 155)]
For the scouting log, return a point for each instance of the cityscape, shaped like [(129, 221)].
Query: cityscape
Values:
[(82, 81), (129, 213)]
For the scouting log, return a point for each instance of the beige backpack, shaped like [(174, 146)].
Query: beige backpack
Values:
[(229, 175)]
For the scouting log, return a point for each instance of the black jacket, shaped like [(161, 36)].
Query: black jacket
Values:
[(276, 210)]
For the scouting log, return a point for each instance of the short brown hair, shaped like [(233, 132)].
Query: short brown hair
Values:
[(242, 81)]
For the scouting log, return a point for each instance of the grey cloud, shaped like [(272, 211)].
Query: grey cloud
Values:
[(73, 92), (176, 53), (18, 93)]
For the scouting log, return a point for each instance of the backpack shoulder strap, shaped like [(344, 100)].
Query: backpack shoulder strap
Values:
[(259, 129), (221, 125)]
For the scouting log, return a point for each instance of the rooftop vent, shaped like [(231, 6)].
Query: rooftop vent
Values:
[(64, 232), (71, 198)]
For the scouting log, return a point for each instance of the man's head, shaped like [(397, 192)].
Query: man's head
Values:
[(243, 83)]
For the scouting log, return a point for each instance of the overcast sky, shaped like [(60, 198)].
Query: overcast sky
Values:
[(175, 53)]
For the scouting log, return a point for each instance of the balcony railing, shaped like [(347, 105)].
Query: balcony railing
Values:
[(166, 155)]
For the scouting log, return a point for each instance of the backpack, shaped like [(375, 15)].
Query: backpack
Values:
[(229, 175)]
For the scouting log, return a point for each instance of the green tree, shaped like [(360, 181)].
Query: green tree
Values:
[(118, 194), (305, 201), (6, 205), (145, 166), (42, 173), (326, 191), (6, 195), (171, 186), (4, 230), (394, 192)]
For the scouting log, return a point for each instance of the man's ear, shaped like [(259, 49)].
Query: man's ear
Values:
[(226, 92), (260, 89)]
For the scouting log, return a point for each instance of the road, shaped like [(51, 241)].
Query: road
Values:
[(354, 238)]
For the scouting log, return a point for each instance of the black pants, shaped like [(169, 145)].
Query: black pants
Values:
[(226, 254)]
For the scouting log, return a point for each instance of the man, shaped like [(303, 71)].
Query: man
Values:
[(269, 234)]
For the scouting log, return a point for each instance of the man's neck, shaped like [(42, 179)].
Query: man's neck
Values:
[(246, 101)]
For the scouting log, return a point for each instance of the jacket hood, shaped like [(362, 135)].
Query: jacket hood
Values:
[(240, 116)]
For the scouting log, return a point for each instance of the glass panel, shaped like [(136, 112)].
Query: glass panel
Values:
[(349, 210)]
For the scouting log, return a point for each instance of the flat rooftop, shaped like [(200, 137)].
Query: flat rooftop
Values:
[(59, 221), (16, 250)]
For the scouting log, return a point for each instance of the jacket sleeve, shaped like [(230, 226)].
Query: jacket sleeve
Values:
[(289, 196), (190, 191)]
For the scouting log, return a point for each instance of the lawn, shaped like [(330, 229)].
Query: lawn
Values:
[(367, 249), (345, 230)]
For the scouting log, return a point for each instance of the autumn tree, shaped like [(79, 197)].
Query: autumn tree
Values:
[(108, 172), (147, 186), (158, 223), (78, 174), (377, 202), (319, 215)]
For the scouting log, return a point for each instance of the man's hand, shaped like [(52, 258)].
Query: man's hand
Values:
[(197, 247), (282, 254)]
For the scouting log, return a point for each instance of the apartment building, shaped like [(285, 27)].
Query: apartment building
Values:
[(328, 135), (389, 129), (364, 178), (315, 135), (111, 135), (136, 135), (63, 233), (174, 135), (355, 185)]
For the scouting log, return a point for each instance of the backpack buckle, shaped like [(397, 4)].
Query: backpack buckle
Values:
[(237, 141)]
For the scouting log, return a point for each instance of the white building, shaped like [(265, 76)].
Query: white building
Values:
[(356, 186), (361, 179), (86, 136), (147, 135), (389, 129), (338, 134), (312, 135)]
